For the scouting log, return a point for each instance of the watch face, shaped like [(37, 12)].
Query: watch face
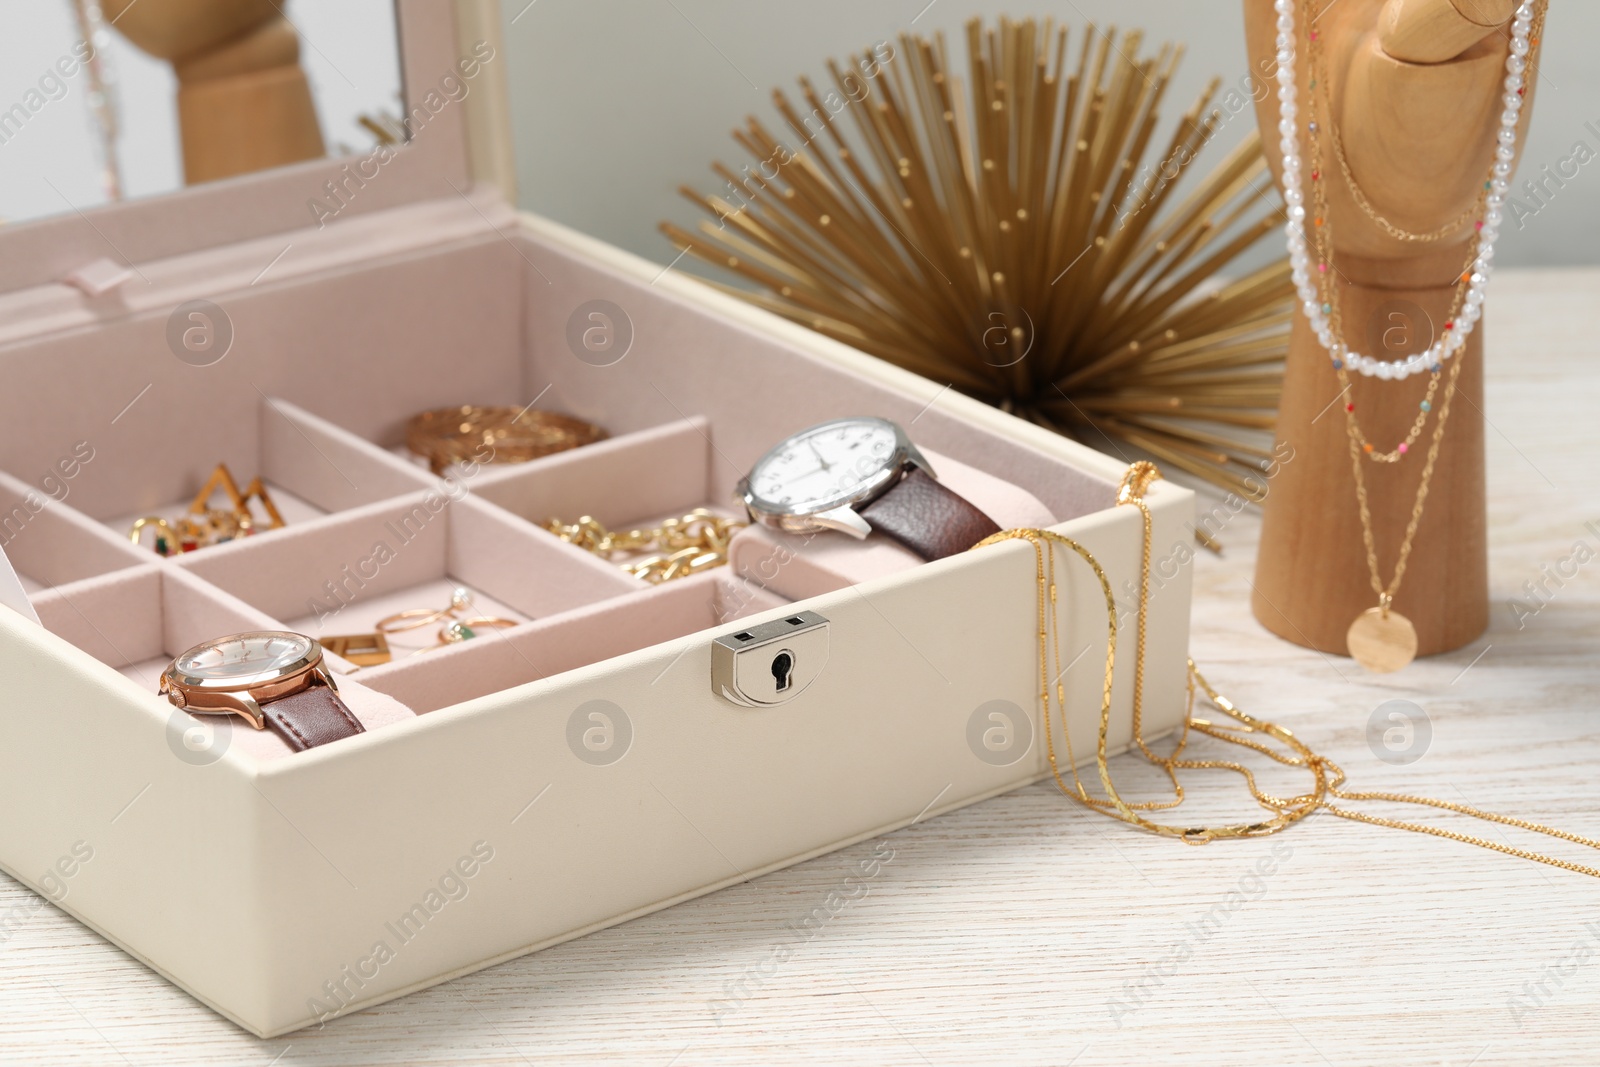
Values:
[(826, 466), (246, 658)]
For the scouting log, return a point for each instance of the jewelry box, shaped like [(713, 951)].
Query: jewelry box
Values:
[(551, 778)]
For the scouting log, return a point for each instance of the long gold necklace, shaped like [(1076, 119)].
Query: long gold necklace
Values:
[(1268, 739), (1380, 638)]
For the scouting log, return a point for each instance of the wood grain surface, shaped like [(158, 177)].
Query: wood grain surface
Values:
[(1027, 931)]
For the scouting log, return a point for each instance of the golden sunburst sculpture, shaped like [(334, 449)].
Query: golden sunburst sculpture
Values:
[(1015, 234)]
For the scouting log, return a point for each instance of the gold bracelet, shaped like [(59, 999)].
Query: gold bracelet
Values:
[(471, 433), (677, 548)]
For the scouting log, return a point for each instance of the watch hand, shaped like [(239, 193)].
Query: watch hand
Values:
[(820, 459), (791, 479)]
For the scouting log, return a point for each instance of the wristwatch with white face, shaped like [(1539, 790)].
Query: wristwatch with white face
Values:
[(273, 679), (859, 475)]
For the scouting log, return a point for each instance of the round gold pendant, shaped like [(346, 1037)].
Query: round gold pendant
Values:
[(1382, 641)]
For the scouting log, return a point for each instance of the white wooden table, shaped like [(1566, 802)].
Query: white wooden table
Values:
[(1027, 931)]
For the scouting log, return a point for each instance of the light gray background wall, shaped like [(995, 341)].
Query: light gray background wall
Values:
[(617, 102)]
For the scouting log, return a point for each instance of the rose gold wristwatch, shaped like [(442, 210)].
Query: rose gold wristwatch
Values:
[(273, 679)]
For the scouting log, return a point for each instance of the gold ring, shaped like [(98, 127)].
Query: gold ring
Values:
[(458, 630), (416, 618), (165, 541), (204, 525)]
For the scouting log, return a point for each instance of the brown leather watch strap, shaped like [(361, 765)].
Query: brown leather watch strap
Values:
[(927, 518), (313, 716)]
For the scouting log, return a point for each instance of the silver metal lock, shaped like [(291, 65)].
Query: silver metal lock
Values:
[(772, 663)]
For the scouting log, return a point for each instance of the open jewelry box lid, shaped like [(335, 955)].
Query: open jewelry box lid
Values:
[(457, 141), (452, 179)]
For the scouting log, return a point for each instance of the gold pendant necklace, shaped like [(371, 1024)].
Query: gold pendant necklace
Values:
[(1381, 639), (1327, 783)]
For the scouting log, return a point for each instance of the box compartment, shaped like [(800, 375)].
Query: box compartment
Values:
[(49, 541)]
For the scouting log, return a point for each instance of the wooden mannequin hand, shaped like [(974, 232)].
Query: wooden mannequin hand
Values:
[(1415, 91), (244, 103), (177, 30)]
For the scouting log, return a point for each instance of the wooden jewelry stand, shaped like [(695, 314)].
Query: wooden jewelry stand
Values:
[(1415, 88), (243, 101)]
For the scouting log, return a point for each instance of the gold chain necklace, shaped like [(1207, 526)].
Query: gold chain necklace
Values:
[(1323, 238), (1266, 738), (1360, 197)]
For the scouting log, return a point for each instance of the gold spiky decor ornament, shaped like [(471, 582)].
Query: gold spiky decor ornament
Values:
[(1014, 233)]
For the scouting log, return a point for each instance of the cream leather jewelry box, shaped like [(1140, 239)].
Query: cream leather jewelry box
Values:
[(540, 781)]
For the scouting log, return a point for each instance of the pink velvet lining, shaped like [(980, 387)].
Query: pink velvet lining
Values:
[(313, 398)]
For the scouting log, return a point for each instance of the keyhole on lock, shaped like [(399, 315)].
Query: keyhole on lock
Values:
[(783, 669)]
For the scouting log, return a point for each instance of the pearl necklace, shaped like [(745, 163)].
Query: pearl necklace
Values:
[(1317, 311)]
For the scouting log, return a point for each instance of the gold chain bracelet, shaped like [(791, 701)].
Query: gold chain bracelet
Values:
[(677, 548), (1268, 739)]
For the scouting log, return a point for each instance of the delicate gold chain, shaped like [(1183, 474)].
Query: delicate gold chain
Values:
[(1132, 490), (1322, 236), (1133, 487), (1360, 197), (1386, 593), (677, 548), (1327, 777)]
